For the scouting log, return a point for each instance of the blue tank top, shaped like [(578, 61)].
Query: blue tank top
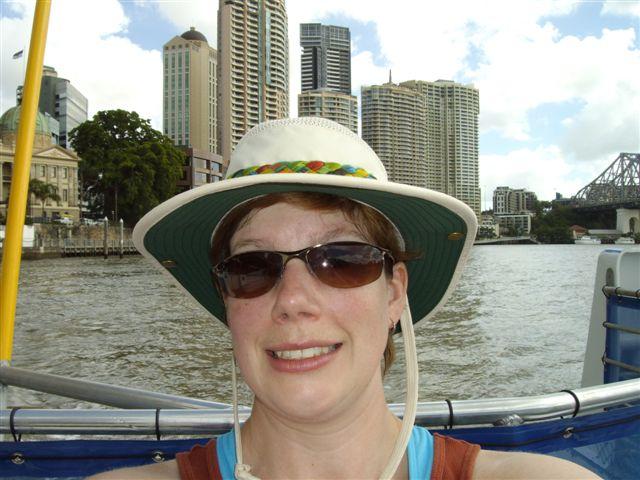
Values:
[(419, 454)]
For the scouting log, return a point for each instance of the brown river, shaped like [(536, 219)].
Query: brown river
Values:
[(516, 325)]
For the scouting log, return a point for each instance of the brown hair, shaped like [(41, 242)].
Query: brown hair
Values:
[(372, 224)]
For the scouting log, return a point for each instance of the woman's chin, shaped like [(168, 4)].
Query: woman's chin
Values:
[(305, 405)]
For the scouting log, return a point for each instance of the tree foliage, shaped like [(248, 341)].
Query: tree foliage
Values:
[(123, 157), (551, 223)]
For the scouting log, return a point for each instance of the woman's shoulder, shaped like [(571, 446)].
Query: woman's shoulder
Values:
[(159, 471), (515, 465)]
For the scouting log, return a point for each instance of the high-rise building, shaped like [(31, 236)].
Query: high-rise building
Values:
[(189, 91), (62, 101), (335, 106), (507, 200), (326, 75), (452, 138), (393, 124), (253, 71), (326, 57)]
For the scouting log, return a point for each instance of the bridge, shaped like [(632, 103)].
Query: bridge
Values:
[(617, 188)]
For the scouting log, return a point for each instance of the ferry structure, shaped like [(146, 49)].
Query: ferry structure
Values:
[(625, 241), (587, 240), (596, 425)]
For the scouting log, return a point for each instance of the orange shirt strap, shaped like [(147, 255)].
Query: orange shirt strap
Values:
[(199, 463), (453, 459)]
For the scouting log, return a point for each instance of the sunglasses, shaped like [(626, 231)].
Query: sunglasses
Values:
[(337, 264)]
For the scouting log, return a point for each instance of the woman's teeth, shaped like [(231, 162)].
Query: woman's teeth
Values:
[(305, 353)]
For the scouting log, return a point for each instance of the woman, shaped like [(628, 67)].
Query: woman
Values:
[(315, 258)]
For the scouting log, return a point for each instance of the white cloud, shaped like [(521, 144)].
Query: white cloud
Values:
[(621, 7), (543, 170), (201, 14), (87, 45)]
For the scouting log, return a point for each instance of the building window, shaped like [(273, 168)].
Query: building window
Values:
[(65, 173), (65, 195), (54, 172), (43, 170)]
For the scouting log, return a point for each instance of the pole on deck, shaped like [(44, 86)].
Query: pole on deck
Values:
[(20, 185), (105, 238), (121, 238)]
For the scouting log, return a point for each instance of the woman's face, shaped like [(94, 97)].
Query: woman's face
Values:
[(340, 333)]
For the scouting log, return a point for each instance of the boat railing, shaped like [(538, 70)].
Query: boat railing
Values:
[(193, 418), (96, 392)]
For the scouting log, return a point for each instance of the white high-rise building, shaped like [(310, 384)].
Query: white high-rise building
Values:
[(253, 70), (452, 138), (393, 124)]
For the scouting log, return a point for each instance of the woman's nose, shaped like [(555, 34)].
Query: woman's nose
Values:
[(296, 293)]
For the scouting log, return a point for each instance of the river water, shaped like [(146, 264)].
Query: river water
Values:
[(516, 325)]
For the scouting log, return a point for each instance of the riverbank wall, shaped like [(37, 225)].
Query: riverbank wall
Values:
[(55, 241)]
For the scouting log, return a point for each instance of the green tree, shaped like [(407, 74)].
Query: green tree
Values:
[(125, 160), (43, 191), (551, 223)]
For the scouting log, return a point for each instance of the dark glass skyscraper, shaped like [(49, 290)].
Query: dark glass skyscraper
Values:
[(326, 57), (62, 101)]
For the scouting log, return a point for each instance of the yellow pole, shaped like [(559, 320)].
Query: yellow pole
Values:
[(20, 180)]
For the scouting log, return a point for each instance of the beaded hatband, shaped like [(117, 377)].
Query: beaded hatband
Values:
[(316, 166)]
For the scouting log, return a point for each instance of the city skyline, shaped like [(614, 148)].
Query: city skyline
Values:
[(557, 79)]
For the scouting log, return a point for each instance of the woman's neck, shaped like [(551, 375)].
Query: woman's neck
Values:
[(355, 443)]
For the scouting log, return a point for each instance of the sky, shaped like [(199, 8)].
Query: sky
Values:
[(559, 81)]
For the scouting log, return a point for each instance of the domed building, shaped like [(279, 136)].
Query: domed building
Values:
[(50, 163)]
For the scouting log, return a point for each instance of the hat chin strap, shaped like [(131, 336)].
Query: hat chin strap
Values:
[(411, 398), (243, 471)]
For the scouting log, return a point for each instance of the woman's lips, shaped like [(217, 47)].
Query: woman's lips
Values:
[(302, 359)]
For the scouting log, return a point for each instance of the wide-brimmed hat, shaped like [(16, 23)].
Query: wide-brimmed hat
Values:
[(310, 155)]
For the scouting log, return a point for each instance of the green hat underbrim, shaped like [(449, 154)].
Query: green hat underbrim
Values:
[(180, 240)]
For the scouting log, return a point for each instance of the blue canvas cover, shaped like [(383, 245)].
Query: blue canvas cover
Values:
[(622, 346), (606, 443)]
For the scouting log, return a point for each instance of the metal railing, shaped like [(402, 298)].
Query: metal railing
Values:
[(213, 421), (102, 393)]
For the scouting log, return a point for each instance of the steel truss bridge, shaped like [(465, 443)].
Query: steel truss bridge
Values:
[(617, 187)]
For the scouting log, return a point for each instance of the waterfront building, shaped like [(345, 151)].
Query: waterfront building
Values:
[(452, 138), (62, 101), (514, 225), (189, 89), (326, 57), (511, 201), (50, 163), (335, 106), (253, 68), (393, 124), (200, 167)]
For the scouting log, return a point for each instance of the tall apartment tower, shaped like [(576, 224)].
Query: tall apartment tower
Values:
[(507, 200), (62, 101), (393, 120), (189, 91), (253, 72), (452, 138), (326, 57), (326, 75)]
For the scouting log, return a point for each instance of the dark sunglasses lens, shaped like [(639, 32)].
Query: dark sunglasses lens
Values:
[(346, 265), (251, 274)]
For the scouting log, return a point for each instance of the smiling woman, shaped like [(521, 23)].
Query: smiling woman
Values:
[(303, 252)]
